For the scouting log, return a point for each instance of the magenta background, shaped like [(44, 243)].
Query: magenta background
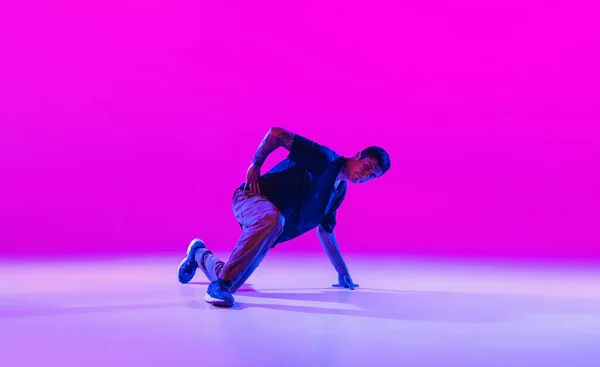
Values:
[(112, 115)]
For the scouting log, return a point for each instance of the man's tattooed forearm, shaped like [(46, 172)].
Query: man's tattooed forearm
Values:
[(285, 139), (274, 139), (266, 147)]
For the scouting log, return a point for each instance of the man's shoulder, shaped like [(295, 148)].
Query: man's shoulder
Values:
[(304, 145)]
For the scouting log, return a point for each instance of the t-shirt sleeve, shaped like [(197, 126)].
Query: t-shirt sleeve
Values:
[(313, 156), (329, 220)]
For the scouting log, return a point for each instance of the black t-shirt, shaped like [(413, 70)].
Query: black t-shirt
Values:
[(303, 188)]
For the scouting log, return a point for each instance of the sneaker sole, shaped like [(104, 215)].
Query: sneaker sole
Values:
[(190, 249), (218, 302)]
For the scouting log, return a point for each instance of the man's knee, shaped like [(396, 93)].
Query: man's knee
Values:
[(274, 221)]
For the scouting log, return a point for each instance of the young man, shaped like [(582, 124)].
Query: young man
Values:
[(299, 194)]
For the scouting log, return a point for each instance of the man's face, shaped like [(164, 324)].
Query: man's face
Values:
[(363, 170)]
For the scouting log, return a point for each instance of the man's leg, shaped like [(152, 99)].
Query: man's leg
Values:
[(240, 281), (211, 267), (209, 264), (262, 224)]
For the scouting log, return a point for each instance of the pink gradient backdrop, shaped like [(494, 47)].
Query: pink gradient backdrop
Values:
[(126, 125)]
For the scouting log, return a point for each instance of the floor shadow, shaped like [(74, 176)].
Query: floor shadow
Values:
[(189, 297), (244, 288), (418, 305), (461, 307)]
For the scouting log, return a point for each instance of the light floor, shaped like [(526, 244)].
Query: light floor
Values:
[(407, 312)]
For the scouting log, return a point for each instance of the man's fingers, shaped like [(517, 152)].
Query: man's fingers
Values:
[(254, 187)]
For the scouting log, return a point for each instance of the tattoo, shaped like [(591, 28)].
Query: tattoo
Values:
[(286, 139), (274, 139)]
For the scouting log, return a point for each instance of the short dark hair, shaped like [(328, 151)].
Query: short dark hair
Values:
[(380, 155)]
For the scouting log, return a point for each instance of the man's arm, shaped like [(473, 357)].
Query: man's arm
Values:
[(329, 243), (331, 248), (276, 137)]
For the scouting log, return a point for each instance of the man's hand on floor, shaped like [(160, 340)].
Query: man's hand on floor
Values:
[(345, 281)]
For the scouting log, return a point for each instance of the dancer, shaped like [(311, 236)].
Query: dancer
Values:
[(299, 194)]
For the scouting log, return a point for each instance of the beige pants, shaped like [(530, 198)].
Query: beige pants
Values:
[(262, 223)]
